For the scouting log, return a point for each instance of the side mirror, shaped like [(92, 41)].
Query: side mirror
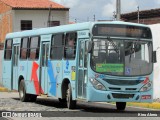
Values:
[(154, 57), (90, 45)]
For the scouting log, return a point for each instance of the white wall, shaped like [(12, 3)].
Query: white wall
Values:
[(156, 43), (39, 18), (1, 56)]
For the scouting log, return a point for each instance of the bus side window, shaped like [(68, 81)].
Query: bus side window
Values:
[(24, 48), (57, 47), (8, 50), (34, 48), (70, 45)]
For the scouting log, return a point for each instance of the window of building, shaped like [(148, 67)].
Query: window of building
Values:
[(54, 23), (8, 50), (24, 48), (70, 45), (57, 47), (26, 24), (34, 48)]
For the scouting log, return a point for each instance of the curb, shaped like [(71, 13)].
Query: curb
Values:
[(135, 106), (153, 105), (2, 89)]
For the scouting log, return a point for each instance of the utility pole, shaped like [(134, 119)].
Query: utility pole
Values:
[(94, 17), (118, 10), (114, 16), (49, 17), (138, 14)]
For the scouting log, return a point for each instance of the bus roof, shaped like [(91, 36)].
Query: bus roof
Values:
[(64, 28)]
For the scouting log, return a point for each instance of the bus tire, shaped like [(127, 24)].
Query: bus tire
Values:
[(62, 100), (32, 98), (24, 97), (71, 104), (121, 105)]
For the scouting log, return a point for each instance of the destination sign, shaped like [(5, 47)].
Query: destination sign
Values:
[(114, 30)]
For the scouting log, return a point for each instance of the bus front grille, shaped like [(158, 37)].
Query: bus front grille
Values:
[(131, 89), (122, 96), (123, 82), (113, 88)]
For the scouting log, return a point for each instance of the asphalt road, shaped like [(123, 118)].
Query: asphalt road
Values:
[(49, 107)]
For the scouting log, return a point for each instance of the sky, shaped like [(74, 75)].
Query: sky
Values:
[(84, 10)]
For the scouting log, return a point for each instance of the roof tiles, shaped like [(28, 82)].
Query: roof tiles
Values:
[(33, 4)]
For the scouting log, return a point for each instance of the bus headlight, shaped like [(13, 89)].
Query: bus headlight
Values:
[(97, 85), (146, 87)]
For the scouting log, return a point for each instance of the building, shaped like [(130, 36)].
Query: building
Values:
[(18, 15), (145, 17), (155, 28)]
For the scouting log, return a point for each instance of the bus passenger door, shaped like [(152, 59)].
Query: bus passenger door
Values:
[(15, 66), (44, 66), (82, 69)]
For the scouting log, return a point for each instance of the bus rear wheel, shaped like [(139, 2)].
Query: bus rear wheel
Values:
[(32, 98), (71, 104), (121, 105), (24, 97)]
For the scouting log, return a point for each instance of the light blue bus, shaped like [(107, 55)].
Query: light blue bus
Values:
[(92, 61)]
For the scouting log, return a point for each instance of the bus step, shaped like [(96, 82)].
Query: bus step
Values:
[(44, 95)]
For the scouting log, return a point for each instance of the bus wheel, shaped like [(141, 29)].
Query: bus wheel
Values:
[(32, 98), (71, 104), (62, 100), (121, 105), (24, 97)]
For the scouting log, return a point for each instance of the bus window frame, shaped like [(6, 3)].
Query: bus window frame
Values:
[(75, 45), (27, 54), (4, 56), (39, 43), (62, 46)]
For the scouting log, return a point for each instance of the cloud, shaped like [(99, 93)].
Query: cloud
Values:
[(109, 8), (71, 3), (126, 6), (58, 1), (67, 3), (83, 11), (129, 6), (103, 9), (157, 1)]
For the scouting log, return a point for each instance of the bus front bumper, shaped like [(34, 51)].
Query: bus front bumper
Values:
[(94, 95)]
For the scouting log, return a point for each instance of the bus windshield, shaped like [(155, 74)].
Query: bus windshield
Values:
[(121, 57)]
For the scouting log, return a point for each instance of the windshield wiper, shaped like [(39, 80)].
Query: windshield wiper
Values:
[(133, 50), (115, 47)]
